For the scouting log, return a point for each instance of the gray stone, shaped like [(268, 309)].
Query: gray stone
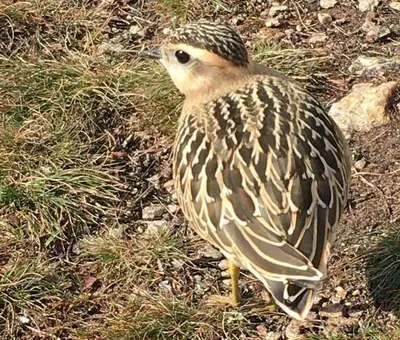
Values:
[(210, 252), (359, 165), (324, 18), (318, 38), (275, 10), (223, 265), (158, 228), (152, 212), (273, 22)]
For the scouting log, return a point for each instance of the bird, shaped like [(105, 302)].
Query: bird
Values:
[(261, 171)]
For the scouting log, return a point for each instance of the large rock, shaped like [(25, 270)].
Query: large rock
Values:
[(363, 108)]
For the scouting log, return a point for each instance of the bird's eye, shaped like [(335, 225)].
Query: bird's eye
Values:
[(182, 57)]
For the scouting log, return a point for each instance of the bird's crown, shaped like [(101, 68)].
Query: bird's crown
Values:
[(220, 39)]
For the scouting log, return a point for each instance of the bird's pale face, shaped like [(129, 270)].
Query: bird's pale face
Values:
[(194, 70)]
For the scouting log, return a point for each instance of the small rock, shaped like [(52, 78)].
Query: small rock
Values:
[(395, 5), (359, 165), (363, 108), (134, 29), (165, 287), (172, 208), (275, 10), (355, 312), (369, 65), (318, 38), (210, 252), (327, 3), (177, 263), (153, 211), (157, 228), (356, 292), (340, 292), (273, 22), (226, 274), (109, 47), (374, 31), (223, 265), (332, 311), (117, 233), (227, 282), (367, 5), (324, 18), (23, 319)]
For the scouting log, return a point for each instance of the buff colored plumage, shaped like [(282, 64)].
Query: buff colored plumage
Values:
[(261, 171)]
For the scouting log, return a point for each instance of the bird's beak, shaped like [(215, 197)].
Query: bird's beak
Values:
[(153, 54)]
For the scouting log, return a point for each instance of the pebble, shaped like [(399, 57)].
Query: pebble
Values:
[(210, 252), (157, 228), (227, 282), (356, 292), (23, 319), (395, 5), (165, 287), (327, 3), (177, 263), (373, 31), (223, 265), (318, 38), (273, 22), (275, 10), (324, 18), (364, 107), (117, 233), (359, 165), (367, 5), (172, 208), (355, 312), (152, 212), (340, 292)]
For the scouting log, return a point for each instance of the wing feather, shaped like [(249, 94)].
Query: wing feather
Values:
[(265, 178)]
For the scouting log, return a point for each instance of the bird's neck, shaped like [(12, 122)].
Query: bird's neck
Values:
[(212, 85)]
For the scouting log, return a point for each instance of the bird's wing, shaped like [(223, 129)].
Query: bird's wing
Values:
[(262, 173)]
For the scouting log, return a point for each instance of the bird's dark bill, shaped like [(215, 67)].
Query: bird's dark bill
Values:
[(154, 54)]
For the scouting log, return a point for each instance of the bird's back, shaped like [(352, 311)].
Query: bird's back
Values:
[(262, 172)]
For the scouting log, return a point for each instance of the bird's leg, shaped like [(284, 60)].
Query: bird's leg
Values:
[(234, 299), (234, 272)]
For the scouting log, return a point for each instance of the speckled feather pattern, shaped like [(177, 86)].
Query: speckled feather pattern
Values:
[(217, 38), (262, 173)]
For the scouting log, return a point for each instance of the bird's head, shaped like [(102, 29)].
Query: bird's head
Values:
[(202, 56)]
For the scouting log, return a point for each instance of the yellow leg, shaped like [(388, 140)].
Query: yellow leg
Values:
[(234, 271), (234, 299)]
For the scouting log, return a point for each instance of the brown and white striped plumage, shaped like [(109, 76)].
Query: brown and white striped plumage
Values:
[(262, 173)]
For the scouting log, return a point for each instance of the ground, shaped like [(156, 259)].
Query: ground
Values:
[(85, 135)]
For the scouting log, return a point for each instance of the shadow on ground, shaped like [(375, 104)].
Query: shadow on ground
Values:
[(383, 271)]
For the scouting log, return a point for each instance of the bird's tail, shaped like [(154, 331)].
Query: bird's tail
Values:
[(295, 298)]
